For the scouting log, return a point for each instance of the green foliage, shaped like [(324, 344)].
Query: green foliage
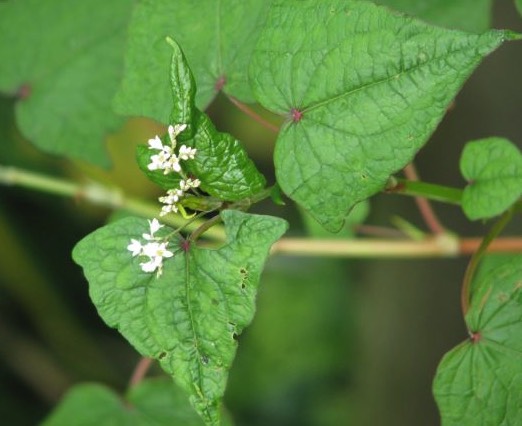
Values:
[(519, 5), (189, 317), (493, 169), (467, 15), (151, 403), (369, 88), (223, 166), (64, 63), (481, 379), (217, 36)]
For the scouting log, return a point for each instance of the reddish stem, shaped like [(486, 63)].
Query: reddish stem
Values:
[(252, 114), (140, 371), (425, 208)]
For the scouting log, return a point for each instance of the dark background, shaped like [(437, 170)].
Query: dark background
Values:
[(334, 342)]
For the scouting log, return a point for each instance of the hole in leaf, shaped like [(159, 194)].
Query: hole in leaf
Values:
[(235, 336), (204, 359), (162, 355)]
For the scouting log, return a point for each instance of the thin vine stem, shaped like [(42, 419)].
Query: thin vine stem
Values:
[(444, 194), (438, 246), (430, 218), (465, 295), (252, 114), (140, 371)]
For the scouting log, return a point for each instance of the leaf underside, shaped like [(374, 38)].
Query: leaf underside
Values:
[(480, 381), (65, 63), (190, 316), (369, 86)]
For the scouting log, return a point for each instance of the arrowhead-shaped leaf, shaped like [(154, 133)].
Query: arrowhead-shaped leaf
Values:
[(190, 316), (65, 63), (480, 381), (363, 92), (217, 36), (154, 402), (467, 15), (493, 169)]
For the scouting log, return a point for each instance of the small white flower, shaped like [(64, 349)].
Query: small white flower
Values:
[(172, 164), (154, 226), (135, 247), (159, 161), (185, 185), (187, 153), (155, 143), (151, 265), (169, 208), (174, 131)]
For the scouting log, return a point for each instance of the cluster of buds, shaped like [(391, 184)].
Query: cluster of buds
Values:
[(167, 160), (155, 249)]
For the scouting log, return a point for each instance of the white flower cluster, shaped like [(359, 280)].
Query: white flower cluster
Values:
[(169, 162), (166, 159), (155, 249)]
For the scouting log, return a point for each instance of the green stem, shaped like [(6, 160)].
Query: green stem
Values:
[(96, 193), (430, 191), (465, 295)]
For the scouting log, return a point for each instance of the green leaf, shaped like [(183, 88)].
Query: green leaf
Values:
[(217, 36), (519, 5), (493, 169), (190, 316), (64, 63), (221, 163), (363, 92), (467, 15), (152, 402), (481, 379)]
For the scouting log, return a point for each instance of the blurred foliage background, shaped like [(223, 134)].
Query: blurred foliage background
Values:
[(334, 342)]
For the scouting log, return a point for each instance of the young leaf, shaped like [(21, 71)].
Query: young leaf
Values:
[(217, 36), (493, 169), (223, 166), (190, 316), (481, 379), (466, 15), (363, 92), (152, 402), (64, 63)]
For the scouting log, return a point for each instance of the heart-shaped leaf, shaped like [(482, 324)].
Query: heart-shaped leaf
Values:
[(64, 63), (154, 402), (493, 169), (480, 381), (190, 316), (217, 36), (363, 92)]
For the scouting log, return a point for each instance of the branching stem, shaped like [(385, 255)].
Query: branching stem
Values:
[(425, 208)]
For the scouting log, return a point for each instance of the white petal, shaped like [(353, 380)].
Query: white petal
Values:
[(135, 247), (154, 225), (155, 143)]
